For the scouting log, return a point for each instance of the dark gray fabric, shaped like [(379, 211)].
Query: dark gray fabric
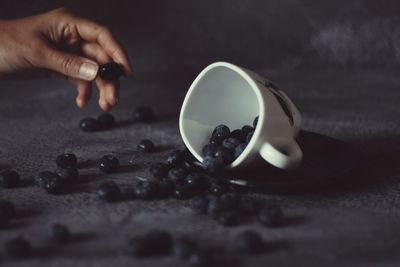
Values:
[(347, 227)]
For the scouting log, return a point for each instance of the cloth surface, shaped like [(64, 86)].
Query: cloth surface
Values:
[(350, 226)]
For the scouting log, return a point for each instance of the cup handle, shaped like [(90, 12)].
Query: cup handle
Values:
[(288, 160)]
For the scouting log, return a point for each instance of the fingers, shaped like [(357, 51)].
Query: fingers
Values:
[(84, 93), (94, 33), (108, 90), (68, 64)]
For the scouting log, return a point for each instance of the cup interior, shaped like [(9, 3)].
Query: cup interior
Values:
[(220, 95)]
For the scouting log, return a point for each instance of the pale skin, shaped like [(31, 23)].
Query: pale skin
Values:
[(59, 43)]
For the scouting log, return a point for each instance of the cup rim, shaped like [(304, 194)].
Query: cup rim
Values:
[(261, 114)]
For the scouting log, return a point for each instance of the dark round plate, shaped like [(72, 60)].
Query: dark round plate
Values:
[(326, 161)]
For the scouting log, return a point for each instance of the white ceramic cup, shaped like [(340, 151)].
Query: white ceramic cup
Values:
[(227, 94)]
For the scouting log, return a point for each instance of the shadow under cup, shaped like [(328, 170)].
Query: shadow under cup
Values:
[(219, 95)]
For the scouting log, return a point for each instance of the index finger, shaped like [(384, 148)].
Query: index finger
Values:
[(93, 32)]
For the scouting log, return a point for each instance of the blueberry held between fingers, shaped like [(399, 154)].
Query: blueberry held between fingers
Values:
[(110, 71), (145, 146), (89, 125), (67, 160), (143, 114), (248, 242), (58, 233), (159, 169), (9, 179), (109, 191), (271, 216), (106, 120), (222, 131), (230, 143), (18, 247), (109, 164)]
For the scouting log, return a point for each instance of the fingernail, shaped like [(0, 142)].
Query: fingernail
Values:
[(88, 71)]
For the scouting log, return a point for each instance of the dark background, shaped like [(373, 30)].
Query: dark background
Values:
[(338, 60)]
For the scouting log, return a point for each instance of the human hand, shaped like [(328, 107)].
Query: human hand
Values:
[(60, 42)]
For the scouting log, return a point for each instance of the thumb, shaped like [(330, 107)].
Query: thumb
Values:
[(70, 65)]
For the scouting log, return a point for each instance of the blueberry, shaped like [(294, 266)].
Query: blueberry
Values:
[(177, 175), (249, 136), (249, 205), (159, 169), (209, 150), (69, 174), (7, 211), (9, 179), (215, 207), (143, 114), (218, 189), (89, 125), (271, 216), (200, 258), (196, 181), (110, 71), (67, 160), (247, 129), (175, 158), (199, 204), (109, 191), (183, 247), (182, 192), (145, 146), (190, 166), (18, 247), (216, 140), (146, 190), (54, 185), (239, 150), (153, 243), (160, 241), (165, 188), (213, 165), (221, 131), (109, 164), (248, 242), (106, 120), (230, 201), (225, 154), (139, 247), (228, 218), (42, 178), (230, 143), (238, 134), (255, 121), (58, 233)]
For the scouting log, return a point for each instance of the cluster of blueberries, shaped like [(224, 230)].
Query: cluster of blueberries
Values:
[(67, 172), (20, 247), (225, 146), (107, 121), (160, 243)]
